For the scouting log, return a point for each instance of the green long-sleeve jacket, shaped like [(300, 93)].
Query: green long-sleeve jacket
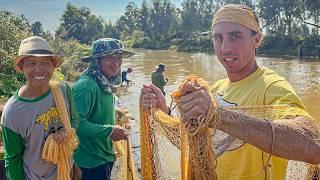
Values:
[(158, 80), (96, 110)]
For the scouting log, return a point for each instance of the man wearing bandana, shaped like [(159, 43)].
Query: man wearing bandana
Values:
[(243, 143), (95, 101)]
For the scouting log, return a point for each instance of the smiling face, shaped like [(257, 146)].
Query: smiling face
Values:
[(37, 71), (110, 65), (235, 48)]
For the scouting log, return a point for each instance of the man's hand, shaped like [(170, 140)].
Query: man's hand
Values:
[(153, 97), (195, 101), (60, 135), (119, 133)]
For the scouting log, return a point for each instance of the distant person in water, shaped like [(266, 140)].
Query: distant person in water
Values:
[(158, 79), (124, 76)]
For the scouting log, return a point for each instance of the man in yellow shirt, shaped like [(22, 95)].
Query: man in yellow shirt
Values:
[(242, 143)]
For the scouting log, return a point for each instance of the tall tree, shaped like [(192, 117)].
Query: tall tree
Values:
[(145, 17), (131, 18), (13, 30), (313, 7), (279, 15), (37, 28), (190, 17), (78, 23)]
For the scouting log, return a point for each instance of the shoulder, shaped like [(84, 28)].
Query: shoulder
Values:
[(155, 74), (85, 83), (274, 82), (10, 110), (270, 77), (218, 84)]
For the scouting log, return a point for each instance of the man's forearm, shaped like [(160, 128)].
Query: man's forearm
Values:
[(295, 139)]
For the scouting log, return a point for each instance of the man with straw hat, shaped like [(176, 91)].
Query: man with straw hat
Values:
[(243, 143), (31, 115), (94, 96)]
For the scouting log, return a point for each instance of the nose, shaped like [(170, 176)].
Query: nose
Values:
[(38, 67), (226, 46), (118, 62)]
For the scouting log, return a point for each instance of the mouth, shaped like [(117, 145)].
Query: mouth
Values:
[(115, 68), (40, 77), (230, 59)]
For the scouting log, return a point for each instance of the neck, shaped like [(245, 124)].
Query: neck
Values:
[(247, 71), (28, 91)]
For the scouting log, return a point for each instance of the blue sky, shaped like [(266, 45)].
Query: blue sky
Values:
[(49, 12)]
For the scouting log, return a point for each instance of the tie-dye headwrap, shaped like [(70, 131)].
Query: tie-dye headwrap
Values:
[(237, 14)]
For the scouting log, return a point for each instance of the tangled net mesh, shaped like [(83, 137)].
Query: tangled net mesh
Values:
[(124, 166), (169, 150)]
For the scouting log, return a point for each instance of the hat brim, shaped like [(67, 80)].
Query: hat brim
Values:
[(123, 54), (55, 57), (157, 67)]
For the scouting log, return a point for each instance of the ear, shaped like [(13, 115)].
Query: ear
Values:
[(20, 65), (257, 40), (54, 62)]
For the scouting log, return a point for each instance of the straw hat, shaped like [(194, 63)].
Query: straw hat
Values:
[(107, 47), (35, 46)]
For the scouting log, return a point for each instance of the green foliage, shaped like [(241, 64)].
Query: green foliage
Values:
[(13, 30), (57, 75), (79, 24), (311, 45), (37, 29), (71, 51), (136, 40), (200, 44), (8, 84)]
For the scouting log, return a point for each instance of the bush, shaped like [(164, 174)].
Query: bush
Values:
[(13, 30)]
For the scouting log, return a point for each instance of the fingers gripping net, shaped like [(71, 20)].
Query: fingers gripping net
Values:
[(164, 139), (169, 150), (124, 167)]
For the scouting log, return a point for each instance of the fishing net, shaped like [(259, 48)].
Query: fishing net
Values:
[(124, 167), (169, 150)]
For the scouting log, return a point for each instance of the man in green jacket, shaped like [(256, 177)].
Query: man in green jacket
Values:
[(96, 107), (158, 79)]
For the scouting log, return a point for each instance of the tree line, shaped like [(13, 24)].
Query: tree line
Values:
[(158, 24)]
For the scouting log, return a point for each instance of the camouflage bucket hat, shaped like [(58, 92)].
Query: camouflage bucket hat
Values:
[(107, 47)]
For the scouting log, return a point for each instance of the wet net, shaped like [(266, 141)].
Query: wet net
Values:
[(124, 166), (169, 150)]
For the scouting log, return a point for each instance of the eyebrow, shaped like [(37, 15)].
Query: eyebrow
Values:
[(235, 32), (230, 33)]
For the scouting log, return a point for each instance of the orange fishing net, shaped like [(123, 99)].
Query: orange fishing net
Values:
[(169, 150), (61, 154), (124, 167)]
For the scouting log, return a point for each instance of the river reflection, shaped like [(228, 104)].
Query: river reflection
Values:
[(303, 75)]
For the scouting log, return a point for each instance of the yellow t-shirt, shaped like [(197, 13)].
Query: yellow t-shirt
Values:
[(240, 160)]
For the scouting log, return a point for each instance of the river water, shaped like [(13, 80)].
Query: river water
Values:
[(304, 75)]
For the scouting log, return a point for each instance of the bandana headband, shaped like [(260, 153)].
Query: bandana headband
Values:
[(236, 14)]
